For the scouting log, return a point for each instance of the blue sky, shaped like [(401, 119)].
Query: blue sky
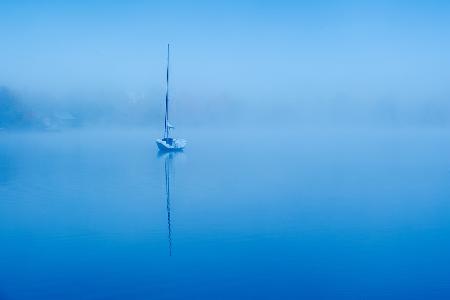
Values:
[(245, 49)]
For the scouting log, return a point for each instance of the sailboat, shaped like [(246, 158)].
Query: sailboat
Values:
[(167, 143)]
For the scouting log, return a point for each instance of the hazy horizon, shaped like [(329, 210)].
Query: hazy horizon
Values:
[(233, 60)]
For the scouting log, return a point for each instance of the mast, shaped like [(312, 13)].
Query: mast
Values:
[(166, 118)]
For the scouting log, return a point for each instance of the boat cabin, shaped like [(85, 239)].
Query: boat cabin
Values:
[(168, 140)]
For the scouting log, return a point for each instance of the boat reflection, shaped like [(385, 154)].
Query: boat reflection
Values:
[(168, 158)]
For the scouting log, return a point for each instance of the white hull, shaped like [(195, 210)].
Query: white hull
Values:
[(170, 144)]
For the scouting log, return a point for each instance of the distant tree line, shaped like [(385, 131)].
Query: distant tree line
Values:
[(13, 114), (119, 109)]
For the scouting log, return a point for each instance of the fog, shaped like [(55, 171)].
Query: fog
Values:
[(241, 63)]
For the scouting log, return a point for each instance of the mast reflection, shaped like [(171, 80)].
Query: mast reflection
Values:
[(167, 165), (168, 158)]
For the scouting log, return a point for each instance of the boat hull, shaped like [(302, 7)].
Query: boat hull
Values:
[(175, 145)]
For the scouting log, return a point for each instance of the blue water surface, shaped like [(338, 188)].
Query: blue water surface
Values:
[(253, 214)]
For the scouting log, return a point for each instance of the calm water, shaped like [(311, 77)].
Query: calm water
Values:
[(252, 215)]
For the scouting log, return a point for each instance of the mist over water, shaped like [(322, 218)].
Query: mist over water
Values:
[(329, 63)]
